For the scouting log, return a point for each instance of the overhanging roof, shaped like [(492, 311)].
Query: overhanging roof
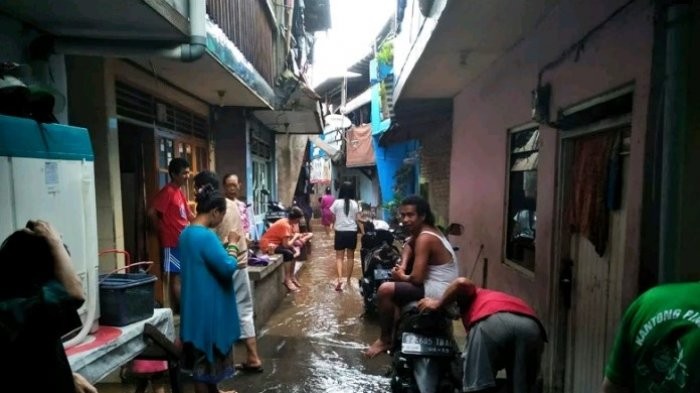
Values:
[(290, 122), (299, 109), (156, 20), (223, 76), (460, 41)]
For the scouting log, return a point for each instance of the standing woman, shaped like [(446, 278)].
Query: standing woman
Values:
[(326, 213), (209, 324), (345, 211)]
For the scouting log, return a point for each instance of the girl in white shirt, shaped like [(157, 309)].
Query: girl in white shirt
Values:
[(346, 210)]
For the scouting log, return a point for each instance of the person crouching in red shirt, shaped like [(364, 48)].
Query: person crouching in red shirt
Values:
[(503, 333)]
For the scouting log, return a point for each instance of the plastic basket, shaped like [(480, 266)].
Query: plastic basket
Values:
[(126, 298)]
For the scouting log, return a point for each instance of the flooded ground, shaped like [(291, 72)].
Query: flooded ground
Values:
[(314, 342)]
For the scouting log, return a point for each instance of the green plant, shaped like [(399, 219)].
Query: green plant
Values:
[(385, 54), (403, 179)]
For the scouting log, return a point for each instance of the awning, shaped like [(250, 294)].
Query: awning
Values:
[(291, 122), (299, 109)]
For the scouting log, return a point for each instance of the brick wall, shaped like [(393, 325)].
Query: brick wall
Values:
[(435, 170)]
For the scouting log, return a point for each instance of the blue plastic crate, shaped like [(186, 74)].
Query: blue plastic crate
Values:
[(126, 298)]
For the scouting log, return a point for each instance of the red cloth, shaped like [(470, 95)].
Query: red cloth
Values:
[(487, 302), (171, 203), (587, 210)]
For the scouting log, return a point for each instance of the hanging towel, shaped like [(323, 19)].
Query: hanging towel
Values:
[(360, 151), (587, 210)]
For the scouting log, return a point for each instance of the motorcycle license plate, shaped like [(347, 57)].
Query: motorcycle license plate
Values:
[(382, 274), (416, 344)]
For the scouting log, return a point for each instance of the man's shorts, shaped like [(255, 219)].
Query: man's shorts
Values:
[(503, 341), (171, 260)]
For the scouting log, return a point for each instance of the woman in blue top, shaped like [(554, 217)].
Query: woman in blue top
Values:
[(209, 318)]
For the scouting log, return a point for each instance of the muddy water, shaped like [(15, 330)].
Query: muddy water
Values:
[(314, 342)]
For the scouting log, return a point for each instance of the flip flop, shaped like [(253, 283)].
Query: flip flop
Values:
[(245, 367), (290, 288)]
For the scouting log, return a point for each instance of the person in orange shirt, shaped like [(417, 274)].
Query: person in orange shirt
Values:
[(279, 239)]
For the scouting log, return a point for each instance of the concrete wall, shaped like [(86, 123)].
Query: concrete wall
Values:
[(435, 170), (367, 189), (289, 154), (147, 82), (500, 99), (229, 129), (93, 106), (14, 39)]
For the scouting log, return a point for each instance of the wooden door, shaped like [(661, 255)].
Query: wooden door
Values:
[(166, 146), (593, 309)]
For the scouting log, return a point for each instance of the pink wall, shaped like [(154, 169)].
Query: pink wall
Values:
[(500, 99)]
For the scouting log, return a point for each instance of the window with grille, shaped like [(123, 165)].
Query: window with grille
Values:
[(521, 219)]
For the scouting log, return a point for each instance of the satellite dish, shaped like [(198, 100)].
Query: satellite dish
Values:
[(336, 122)]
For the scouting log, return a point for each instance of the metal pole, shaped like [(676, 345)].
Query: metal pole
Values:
[(674, 129)]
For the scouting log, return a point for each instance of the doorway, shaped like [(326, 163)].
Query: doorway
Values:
[(134, 201), (590, 250)]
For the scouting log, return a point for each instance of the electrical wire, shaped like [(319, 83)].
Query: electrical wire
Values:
[(578, 46)]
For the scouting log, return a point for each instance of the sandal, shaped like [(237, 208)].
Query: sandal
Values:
[(339, 287), (291, 287), (245, 367)]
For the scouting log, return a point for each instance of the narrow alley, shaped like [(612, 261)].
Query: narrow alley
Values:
[(537, 160), (314, 341)]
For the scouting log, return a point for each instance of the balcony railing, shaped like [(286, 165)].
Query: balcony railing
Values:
[(248, 24)]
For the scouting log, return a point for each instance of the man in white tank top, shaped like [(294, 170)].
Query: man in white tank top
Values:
[(428, 266)]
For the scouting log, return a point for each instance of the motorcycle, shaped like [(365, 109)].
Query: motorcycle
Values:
[(425, 355), (275, 210), (378, 256)]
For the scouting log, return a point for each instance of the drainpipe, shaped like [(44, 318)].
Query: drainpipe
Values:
[(189, 52), (675, 128), (44, 46)]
